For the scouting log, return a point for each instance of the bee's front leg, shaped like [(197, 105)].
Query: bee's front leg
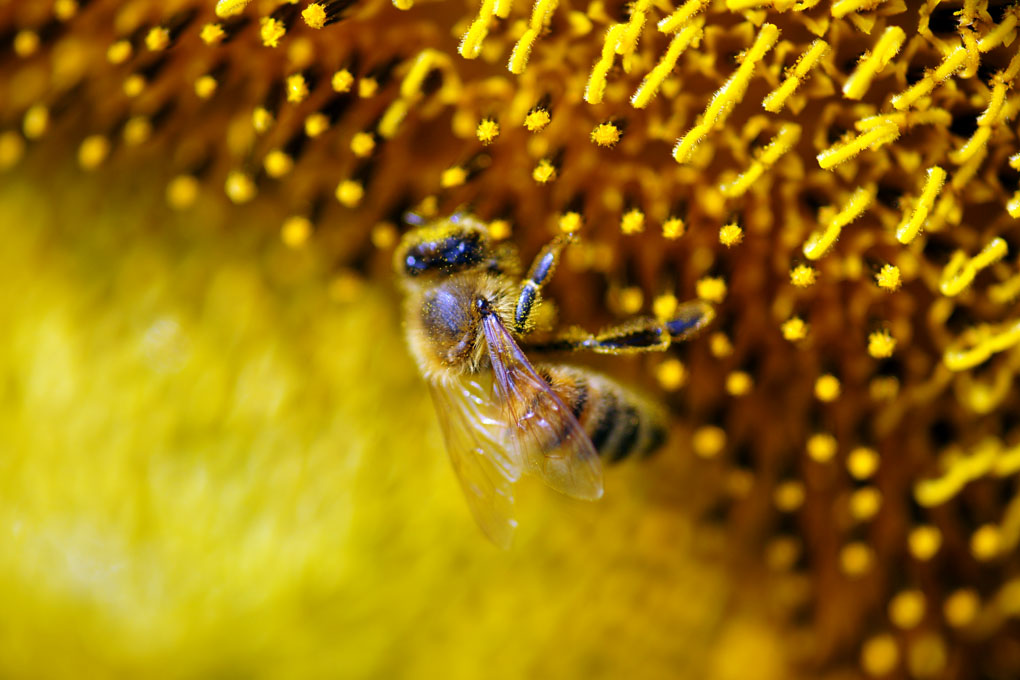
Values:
[(539, 274)]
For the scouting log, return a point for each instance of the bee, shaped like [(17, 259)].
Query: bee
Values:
[(467, 314)]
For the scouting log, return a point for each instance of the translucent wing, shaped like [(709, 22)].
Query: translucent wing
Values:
[(542, 431), (479, 457)]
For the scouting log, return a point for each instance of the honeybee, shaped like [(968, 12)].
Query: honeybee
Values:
[(467, 314)]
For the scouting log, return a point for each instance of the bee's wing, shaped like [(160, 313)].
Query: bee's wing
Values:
[(479, 458), (542, 431)]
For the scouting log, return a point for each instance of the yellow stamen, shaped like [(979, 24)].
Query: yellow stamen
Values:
[(182, 192), (632, 222), (819, 241), (342, 81), (93, 151), (349, 193), (487, 131), (295, 231), (536, 120), (240, 188), (596, 87), (12, 148), (911, 226), (711, 289), (261, 119), (776, 100), (297, 88), (272, 31), (862, 463), (977, 345), (278, 163), (228, 8), (822, 447), (119, 52), (36, 121), (794, 330), (605, 134), (888, 278), (362, 144), (841, 8), (683, 14), (314, 15), (961, 270), (872, 139), (784, 140), (827, 388), (673, 228), (26, 42), (540, 15), (671, 374), (690, 35), (205, 87), (544, 172), (728, 95), (708, 441), (881, 344), (803, 276), (453, 177), (730, 235), (953, 62), (212, 34), (316, 124), (157, 39)]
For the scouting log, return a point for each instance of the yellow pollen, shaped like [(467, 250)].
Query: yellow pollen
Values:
[(719, 345), (65, 9), (363, 144), (229, 8), (93, 151), (708, 441), (605, 134), (181, 192), (134, 85), (453, 177), (297, 88), (367, 87), (12, 148), (961, 607), (157, 39), (881, 344), (673, 228), (739, 383), (865, 503), (314, 15), (384, 235), (137, 131), (544, 172), (36, 121), (906, 609), (349, 193), (632, 299), (880, 655), (570, 222), (278, 163), (794, 329), (272, 31), (316, 124), (789, 495), (487, 131), (862, 462), (205, 87), (26, 43), (632, 222), (671, 374), (239, 186), (119, 52), (821, 447), (536, 120), (342, 81), (888, 278), (827, 388), (295, 231), (499, 230), (212, 34), (730, 235), (711, 289), (924, 541), (664, 307), (856, 559), (261, 119), (985, 543), (803, 276)]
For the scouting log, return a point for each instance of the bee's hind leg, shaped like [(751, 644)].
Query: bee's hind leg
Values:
[(539, 274), (643, 334)]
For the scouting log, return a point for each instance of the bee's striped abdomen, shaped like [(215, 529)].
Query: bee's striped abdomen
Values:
[(618, 422)]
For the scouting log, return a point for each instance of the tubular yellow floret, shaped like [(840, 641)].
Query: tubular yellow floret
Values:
[(911, 226), (728, 95), (228, 8), (471, 43), (871, 65), (502, 8), (632, 29), (841, 8), (961, 270), (953, 62), (1000, 33), (980, 344), (596, 86), (819, 242), (872, 139), (776, 100), (784, 140), (689, 35), (540, 15), (989, 458), (684, 13)]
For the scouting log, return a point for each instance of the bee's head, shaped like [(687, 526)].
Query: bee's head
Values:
[(444, 247)]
